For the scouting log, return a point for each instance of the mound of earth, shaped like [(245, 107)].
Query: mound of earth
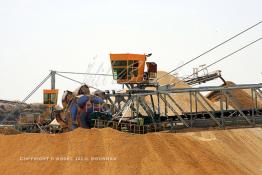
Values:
[(107, 151)]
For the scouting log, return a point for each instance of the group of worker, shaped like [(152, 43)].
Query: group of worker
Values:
[(80, 105), (82, 108)]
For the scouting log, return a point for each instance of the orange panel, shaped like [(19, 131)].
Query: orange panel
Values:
[(49, 101), (127, 56), (141, 58), (50, 91)]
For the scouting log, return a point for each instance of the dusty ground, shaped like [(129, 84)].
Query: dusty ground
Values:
[(236, 151)]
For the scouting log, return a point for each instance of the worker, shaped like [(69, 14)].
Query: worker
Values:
[(87, 105), (69, 102), (85, 109), (73, 111), (87, 115), (97, 103)]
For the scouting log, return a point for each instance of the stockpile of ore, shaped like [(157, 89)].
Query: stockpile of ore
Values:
[(240, 98), (182, 99), (108, 151)]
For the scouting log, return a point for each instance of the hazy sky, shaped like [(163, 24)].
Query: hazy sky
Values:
[(37, 36)]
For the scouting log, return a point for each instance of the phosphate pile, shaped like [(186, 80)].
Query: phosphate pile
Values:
[(89, 152), (240, 98), (182, 99)]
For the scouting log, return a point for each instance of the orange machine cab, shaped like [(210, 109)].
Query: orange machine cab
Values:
[(50, 97), (128, 68)]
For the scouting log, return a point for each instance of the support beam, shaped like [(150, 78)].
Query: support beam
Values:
[(259, 93), (146, 107), (174, 111), (158, 103), (222, 108), (259, 90), (195, 95), (183, 90), (153, 103), (165, 105), (132, 107), (123, 108), (253, 106), (227, 94), (179, 107), (204, 99), (53, 79), (209, 113), (190, 103)]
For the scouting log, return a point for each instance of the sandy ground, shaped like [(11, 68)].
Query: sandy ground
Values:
[(236, 151)]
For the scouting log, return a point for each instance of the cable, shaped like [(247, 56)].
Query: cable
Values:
[(221, 59), (82, 73), (76, 81), (213, 48), (69, 78)]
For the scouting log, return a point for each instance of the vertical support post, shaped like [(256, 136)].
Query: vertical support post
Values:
[(226, 100), (132, 107), (191, 115), (158, 101), (222, 108), (165, 105), (52, 84), (195, 93), (137, 107), (53, 79), (253, 106)]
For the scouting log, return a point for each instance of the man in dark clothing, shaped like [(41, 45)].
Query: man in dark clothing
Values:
[(85, 118), (86, 109)]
